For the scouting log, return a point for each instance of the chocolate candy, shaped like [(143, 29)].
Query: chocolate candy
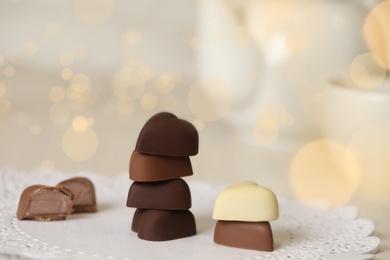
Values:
[(168, 195), (45, 203), (248, 235), (243, 211), (163, 225), (84, 199), (136, 219), (165, 134), (149, 168), (246, 201)]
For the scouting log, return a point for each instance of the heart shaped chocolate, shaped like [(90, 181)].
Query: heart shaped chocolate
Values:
[(149, 167), (165, 134)]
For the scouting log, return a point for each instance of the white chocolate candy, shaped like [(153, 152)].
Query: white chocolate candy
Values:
[(246, 201)]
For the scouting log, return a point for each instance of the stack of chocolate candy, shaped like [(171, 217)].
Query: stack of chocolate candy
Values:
[(162, 198)]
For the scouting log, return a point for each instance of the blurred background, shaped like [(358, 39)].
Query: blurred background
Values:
[(293, 94)]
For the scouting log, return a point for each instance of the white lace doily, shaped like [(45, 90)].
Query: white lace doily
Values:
[(299, 233)]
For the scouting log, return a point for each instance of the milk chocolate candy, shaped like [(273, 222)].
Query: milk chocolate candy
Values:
[(168, 195), (147, 167), (45, 203), (84, 199), (163, 225), (246, 235), (136, 219), (246, 201), (165, 134)]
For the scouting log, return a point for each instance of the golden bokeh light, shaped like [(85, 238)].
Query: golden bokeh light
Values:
[(35, 129), (165, 83), (80, 82), (52, 29), (66, 58), (367, 71), (130, 82), (146, 72), (9, 71), (79, 146), (3, 89), (91, 121), (218, 32), (93, 12), (210, 99), (66, 74), (30, 48), (262, 21), (5, 106), (376, 31), (80, 124), (266, 131), (125, 106), (47, 166), (59, 113), (132, 37), (324, 174), (241, 36), (296, 42), (57, 94), (149, 101), (371, 145), (168, 103), (199, 124)]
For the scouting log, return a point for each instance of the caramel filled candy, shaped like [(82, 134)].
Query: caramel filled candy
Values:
[(246, 201), (247, 235), (168, 195), (84, 199), (165, 134), (136, 219), (147, 167), (45, 203), (163, 225)]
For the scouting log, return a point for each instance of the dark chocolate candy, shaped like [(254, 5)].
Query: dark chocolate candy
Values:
[(165, 134), (147, 167), (168, 195), (247, 235), (136, 219), (45, 203), (163, 225), (84, 199)]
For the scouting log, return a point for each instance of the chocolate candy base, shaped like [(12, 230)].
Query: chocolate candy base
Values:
[(246, 235), (136, 219), (167, 195), (84, 208), (164, 225)]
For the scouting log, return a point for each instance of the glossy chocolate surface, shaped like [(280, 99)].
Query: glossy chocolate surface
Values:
[(163, 225), (84, 198), (45, 203), (247, 235), (136, 219), (147, 167), (165, 134), (167, 195)]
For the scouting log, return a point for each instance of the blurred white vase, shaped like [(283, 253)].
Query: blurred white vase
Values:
[(293, 46)]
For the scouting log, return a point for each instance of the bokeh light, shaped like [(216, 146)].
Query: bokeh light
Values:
[(35, 129), (80, 124), (376, 31), (324, 174), (30, 48), (66, 58), (59, 113), (9, 71), (367, 71), (5, 106), (218, 32), (210, 99), (132, 37), (57, 94), (199, 124), (266, 131), (241, 36), (66, 74), (93, 12), (149, 101), (3, 89), (125, 106), (371, 144), (79, 82), (296, 42), (165, 83), (79, 145), (47, 166)]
